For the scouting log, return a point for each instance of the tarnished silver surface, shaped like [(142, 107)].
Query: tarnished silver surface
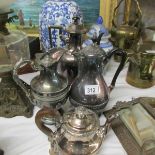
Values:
[(89, 89), (49, 88), (78, 133), (74, 44)]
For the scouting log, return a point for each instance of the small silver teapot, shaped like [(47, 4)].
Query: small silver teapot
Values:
[(78, 131), (48, 88)]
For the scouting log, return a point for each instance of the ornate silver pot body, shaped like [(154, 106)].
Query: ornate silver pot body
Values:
[(89, 88), (78, 131), (48, 88)]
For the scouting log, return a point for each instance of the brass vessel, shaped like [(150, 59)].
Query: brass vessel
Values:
[(127, 33), (142, 65)]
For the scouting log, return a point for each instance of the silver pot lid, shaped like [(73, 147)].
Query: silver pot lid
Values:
[(92, 51), (81, 121)]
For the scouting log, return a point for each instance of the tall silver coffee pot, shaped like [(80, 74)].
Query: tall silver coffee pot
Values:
[(89, 88)]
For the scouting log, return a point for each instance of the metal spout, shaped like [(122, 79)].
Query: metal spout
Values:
[(24, 86), (105, 128)]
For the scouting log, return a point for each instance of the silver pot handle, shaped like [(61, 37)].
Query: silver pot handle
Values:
[(50, 113), (24, 86)]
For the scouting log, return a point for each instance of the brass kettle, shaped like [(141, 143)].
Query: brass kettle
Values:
[(142, 65), (48, 88), (125, 34), (78, 132)]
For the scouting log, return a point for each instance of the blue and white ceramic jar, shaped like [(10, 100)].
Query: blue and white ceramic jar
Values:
[(95, 31), (57, 13)]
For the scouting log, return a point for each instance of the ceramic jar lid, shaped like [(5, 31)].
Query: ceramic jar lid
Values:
[(81, 121)]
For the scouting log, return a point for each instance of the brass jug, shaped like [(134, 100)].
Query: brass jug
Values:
[(142, 65)]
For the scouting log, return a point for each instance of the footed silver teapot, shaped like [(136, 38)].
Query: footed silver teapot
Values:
[(78, 132), (48, 88)]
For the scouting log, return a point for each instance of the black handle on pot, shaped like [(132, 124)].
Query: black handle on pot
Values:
[(123, 56)]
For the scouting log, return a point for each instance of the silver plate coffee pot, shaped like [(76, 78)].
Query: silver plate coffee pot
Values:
[(48, 88), (89, 88)]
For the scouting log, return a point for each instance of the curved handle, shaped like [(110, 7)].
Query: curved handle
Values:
[(115, 13), (24, 86), (47, 113), (123, 56)]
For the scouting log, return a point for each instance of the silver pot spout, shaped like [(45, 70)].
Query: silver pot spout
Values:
[(24, 86), (105, 128)]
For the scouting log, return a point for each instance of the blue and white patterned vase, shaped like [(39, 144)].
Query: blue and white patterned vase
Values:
[(57, 13), (95, 31)]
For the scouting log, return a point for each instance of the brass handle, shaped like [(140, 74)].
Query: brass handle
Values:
[(138, 17), (46, 113)]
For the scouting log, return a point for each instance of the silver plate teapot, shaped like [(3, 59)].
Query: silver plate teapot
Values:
[(48, 88), (78, 132)]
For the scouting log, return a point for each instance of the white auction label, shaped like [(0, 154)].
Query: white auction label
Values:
[(92, 89)]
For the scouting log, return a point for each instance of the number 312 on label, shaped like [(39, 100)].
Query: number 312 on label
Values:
[(92, 89)]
